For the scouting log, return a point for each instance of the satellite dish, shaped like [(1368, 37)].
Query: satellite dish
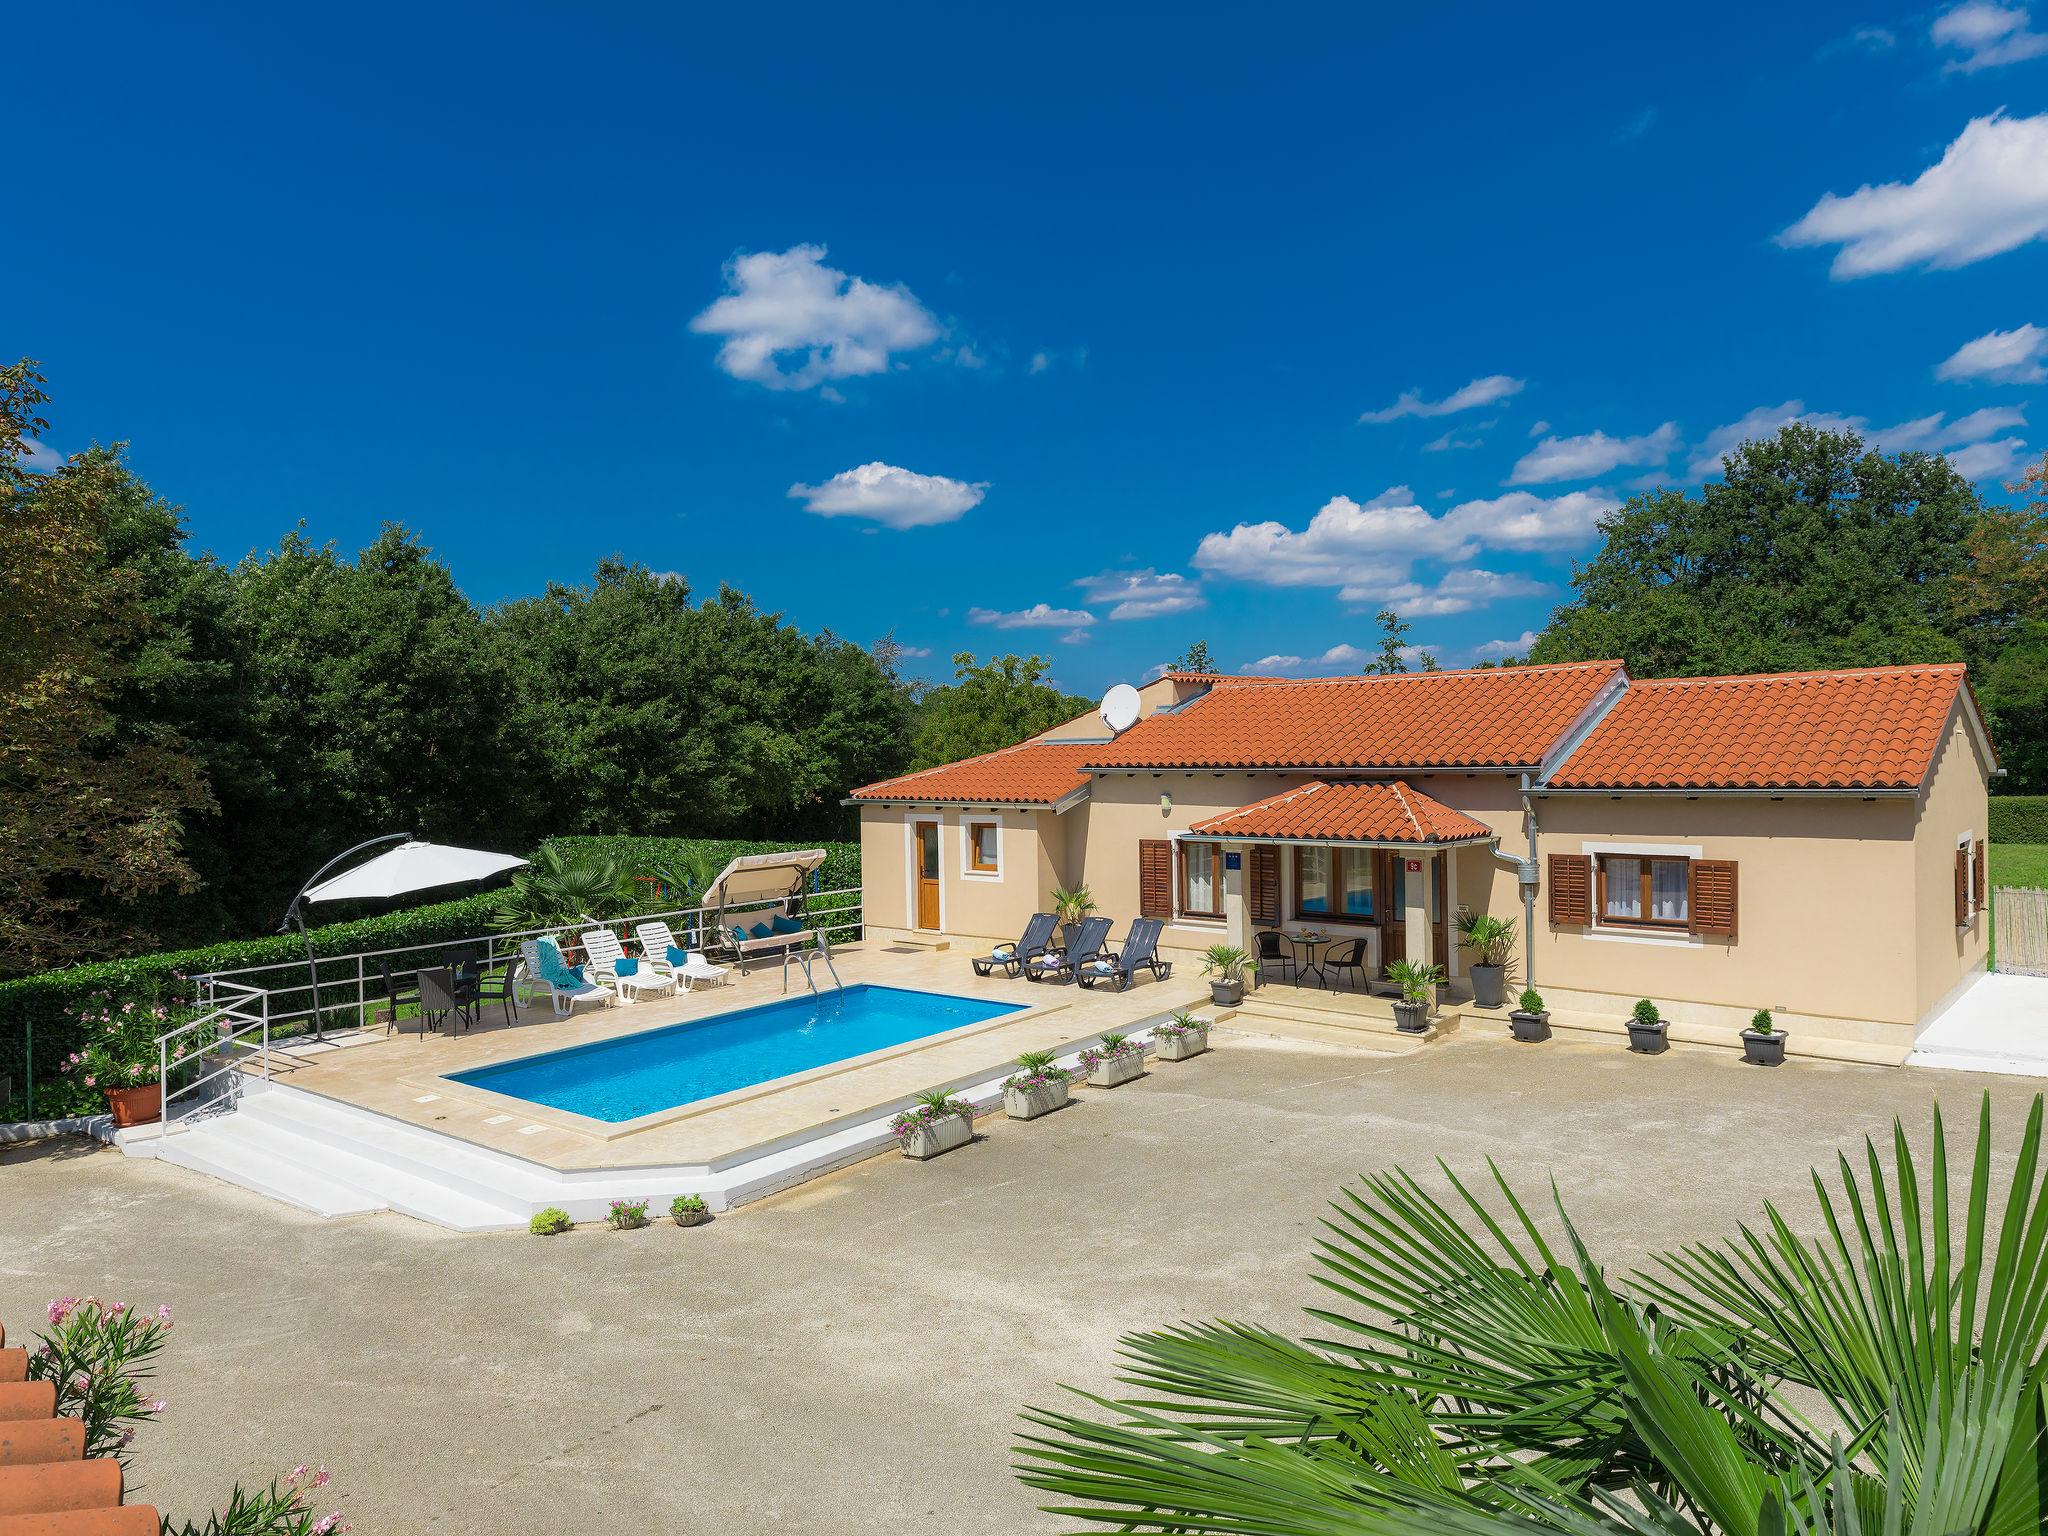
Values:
[(1120, 708)]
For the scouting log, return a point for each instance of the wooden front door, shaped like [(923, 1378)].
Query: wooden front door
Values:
[(1391, 879), (928, 875)]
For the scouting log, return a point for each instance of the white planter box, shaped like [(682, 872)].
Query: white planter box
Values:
[(1181, 1047), (1120, 1069), (1030, 1103), (936, 1136)]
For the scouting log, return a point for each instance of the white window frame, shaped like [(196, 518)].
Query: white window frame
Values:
[(910, 820), (969, 820), (1623, 933), (1966, 845), (1208, 927)]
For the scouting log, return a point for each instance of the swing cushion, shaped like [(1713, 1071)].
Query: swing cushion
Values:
[(782, 923)]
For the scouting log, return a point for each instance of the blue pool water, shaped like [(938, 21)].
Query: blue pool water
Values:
[(639, 1074)]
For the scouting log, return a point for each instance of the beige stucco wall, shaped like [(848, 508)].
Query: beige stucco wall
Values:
[(1954, 806), (970, 904)]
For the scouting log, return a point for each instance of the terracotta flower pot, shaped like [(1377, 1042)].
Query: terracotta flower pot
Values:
[(136, 1106)]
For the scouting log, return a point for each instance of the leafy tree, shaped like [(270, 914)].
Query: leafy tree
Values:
[(1809, 552), (2001, 602), (1389, 658), (1485, 1379), (91, 814), (987, 706), (1196, 658)]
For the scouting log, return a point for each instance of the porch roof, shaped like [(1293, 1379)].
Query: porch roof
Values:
[(1323, 811)]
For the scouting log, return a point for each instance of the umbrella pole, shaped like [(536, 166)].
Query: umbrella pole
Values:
[(295, 913)]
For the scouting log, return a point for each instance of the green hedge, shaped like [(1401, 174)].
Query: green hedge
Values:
[(2019, 818), (40, 1006)]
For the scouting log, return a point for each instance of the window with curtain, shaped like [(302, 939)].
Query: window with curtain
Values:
[(1201, 892), (1644, 891), (982, 847)]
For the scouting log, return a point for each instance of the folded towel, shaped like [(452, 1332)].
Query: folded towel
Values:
[(1004, 952)]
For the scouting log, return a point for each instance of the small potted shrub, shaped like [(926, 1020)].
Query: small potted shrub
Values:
[(1647, 1032), (1117, 1059), (1492, 939), (1229, 966), (937, 1123), (1181, 1037), (689, 1210), (1763, 1043), (1529, 1021), (1037, 1088), (550, 1221), (1070, 904), (625, 1215), (1418, 984)]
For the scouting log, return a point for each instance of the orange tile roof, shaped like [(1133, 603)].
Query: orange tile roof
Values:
[(1503, 717), (1030, 773), (1875, 728), (1349, 812)]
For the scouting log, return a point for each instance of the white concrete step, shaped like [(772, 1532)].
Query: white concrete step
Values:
[(447, 1160), (221, 1149)]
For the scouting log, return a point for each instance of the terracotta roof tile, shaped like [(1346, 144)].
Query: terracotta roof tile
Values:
[(1385, 812), (1875, 728), (1030, 773), (1493, 717)]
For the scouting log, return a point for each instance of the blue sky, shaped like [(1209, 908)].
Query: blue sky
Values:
[(1086, 330)]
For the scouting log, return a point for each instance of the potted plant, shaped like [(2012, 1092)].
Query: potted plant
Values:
[(1228, 965), (1070, 904), (1646, 1031), (550, 1221), (1418, 984), (1182, 1036), (689, 1210), (625, 1215), (1115, 1059), (937, 1123), (1529, 1021), (1037, 1088), (1493, 940), (1763, 1043), (119, 1059)]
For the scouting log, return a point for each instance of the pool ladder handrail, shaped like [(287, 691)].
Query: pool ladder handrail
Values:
[(803, 960)]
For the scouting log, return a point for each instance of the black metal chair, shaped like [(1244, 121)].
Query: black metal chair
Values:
[(394, 999), (441, 997), (1347, 957), (1275, 950), (495, 986)]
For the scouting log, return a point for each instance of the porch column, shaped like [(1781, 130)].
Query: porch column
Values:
[(1416, 917), (1237, 917), (1454, 965)]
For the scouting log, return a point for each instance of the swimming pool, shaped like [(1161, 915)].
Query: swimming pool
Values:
[(636, 1075)]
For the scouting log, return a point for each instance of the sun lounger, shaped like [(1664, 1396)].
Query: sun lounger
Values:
[(607, 953), (1014, 957), (544, 963), (1141, 949), (1087, 947)]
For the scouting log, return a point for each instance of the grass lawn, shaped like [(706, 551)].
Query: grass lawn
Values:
[(2019, 864)]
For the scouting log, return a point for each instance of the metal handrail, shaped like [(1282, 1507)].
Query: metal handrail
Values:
[(238, 1009), (298, 980)]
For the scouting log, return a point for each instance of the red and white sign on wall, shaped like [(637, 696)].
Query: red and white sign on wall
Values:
[(1415, 866)]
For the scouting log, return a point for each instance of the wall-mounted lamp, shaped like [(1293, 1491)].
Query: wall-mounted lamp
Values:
[(1165, 803)]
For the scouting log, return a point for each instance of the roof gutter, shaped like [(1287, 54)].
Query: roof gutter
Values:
[(1332, 842), (1346, 768), (1543, 791)]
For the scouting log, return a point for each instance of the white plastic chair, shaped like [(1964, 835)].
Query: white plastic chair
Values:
[(564, 995), (605, 951)]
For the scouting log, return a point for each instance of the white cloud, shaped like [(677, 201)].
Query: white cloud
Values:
[(1037, 616), (1525, 520), (1591, 455), (1494, 650), (1145, 594), (2000, 460), (1987, 194), (1039, 363), (1348, 658), (791, 322), (1987, 35), (1458, 591), (1963, 439), (913, 652), (1537, 429), (1074, 636), (1155, 672), (2003, 357), (1862, 40), (1495, 386), (895, 498), (38, 457), (1450, 441)]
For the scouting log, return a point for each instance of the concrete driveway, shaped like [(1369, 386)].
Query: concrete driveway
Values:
[(851, 1357), (1999, 1025)]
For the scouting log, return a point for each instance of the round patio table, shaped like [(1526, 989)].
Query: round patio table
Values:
[(1310, 945)]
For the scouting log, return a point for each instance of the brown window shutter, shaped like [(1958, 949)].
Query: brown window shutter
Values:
[(1711, 897), (1962, 887), (1263, 897), (1977, 878), (1155, 878), (1571, 888)]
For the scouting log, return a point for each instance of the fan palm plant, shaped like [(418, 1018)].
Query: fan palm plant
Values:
[(1886, 1377), (560, 887)]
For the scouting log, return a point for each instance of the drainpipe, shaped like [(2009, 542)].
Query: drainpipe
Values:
[(1528, 875)]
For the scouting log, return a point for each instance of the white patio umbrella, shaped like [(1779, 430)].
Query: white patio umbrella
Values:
[(411, 866)]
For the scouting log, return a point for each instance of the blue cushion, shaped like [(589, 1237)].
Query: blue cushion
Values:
[(782, 924), (761, 930), (678, 956), (626, 965)]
